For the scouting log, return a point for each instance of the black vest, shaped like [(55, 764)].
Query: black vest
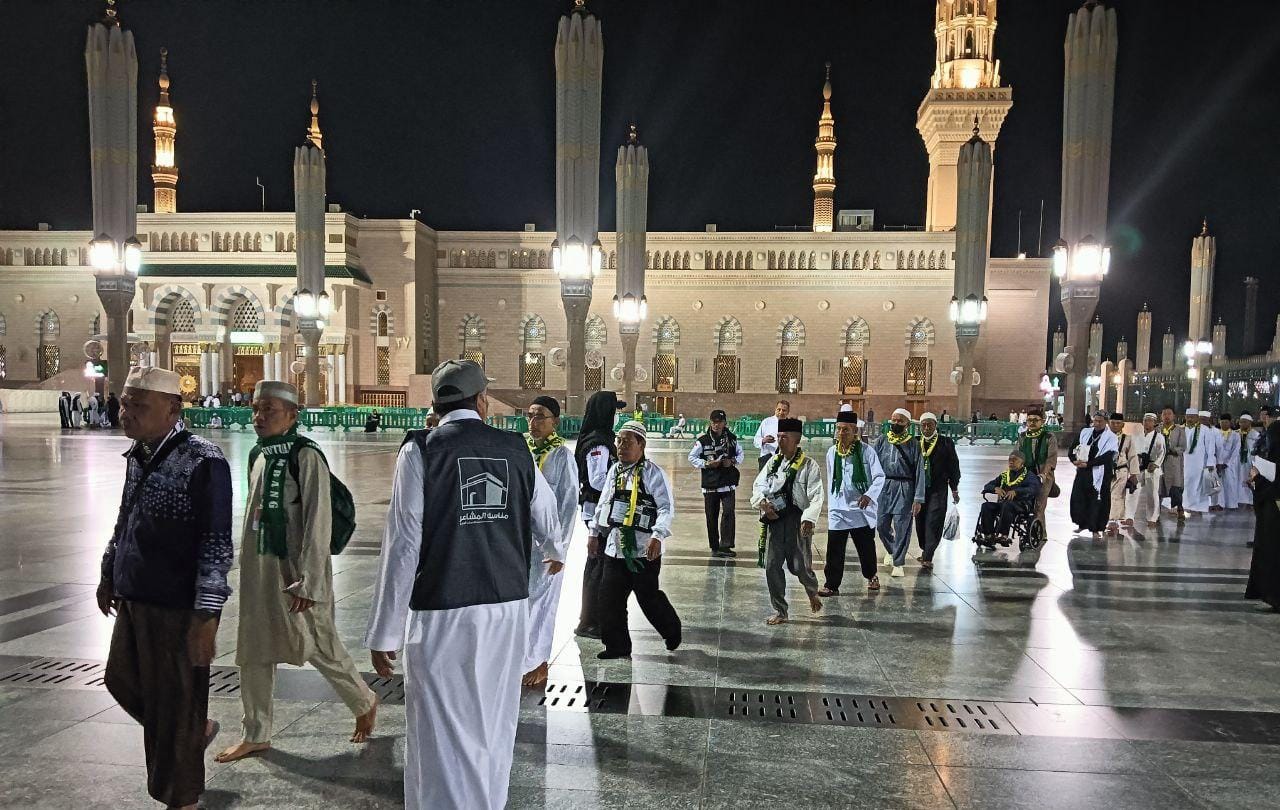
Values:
[(724, 447), (476, 523), (586, 492)]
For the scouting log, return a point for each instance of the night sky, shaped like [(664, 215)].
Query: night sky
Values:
[(449, 108)]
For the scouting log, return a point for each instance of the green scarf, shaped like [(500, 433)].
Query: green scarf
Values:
[(542, 449), (859, 469), (1195, 440), (792, 470), (1008, 482), (926, 450), (1035, 448), (272, 516), (627, 532)]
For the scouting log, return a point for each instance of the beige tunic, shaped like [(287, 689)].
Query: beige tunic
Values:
[(268, 632), (1126, 465)]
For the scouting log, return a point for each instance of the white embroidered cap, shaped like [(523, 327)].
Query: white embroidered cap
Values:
[(902, 411), (151, 378)]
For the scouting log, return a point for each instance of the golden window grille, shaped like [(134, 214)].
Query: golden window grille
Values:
[(248, 350), (533, 371), (790, 374), (727, 375), (48, 361), (593, 379), (666, 372), (184, 348), (384, 399), (384, 365), (916, 376), (474, 355), (853, 375)]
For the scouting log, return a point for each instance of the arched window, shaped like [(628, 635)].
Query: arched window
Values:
[(727, 374), (853, 362), (182, 318), (533, 363), (48, 357), (789, 367), (382, 324), (246, 317), (918, 369)]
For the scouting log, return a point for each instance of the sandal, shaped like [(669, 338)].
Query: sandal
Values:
[(828, 592), (873, 584)]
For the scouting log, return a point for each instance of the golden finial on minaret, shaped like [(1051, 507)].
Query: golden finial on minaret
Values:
[(633, 137), (579, 6), (110, 17), (164, 76), (313, 133), (1204, 226)]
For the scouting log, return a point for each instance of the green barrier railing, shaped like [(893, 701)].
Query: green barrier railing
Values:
[(335, 419)]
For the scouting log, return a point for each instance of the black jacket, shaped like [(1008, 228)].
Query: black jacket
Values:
[(944, 466)]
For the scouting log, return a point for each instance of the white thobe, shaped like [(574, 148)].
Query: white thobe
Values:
[(1229, 457), (768, 427), (1144, 504), (843, 511), (1195, 463), (1244, 495), (561, 472), (462, 667)]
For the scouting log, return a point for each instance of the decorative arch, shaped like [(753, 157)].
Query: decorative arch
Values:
[(220, 313), (597, 333), (791, 335), (728, 336), (666, 334), (282, 316), (472, 332), (376, 313), (247, 316), (533, 332), (163, 302), (919, 337), (857, 336), (48, 325), (4, 325)]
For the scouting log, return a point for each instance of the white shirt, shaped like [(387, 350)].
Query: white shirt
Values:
[(597, 478), (657, 486), (768, 427), (843, 511), (402, 541), (806, 492), (698, 462)]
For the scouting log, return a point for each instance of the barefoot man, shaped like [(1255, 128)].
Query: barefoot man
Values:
[(789, 494), (286, 577)]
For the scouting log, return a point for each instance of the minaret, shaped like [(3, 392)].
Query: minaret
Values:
[(313, 132), (1219, 341), (824, 179), (164, 172), (1168, 350), (1204, 255), (1122, 351), (1250, 316), (308, 213), (969, 296), (1095, 345), (966, 83), (1143, 360), (630, 307)]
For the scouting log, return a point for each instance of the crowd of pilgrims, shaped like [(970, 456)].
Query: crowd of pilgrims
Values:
[(478, 530), (88, 410)]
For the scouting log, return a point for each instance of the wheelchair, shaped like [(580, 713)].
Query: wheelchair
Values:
[(1025, 527)]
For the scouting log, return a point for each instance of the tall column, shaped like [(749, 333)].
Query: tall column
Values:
[(630, 307), (1081, 257), (331, 381), (1095, 345), (1059, 341), (969, 300), (1204, 257), (1250, 317), (1142, 360), (268, 363), (164, 172), (1106, 374), (1219, 341), (308, 202), (824, 177), (1168, 351), (206, 370), (342, 374), (112, 69), (1124, 368), (579, 59)]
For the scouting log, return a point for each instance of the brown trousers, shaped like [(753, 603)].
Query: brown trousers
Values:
[(150, 675)]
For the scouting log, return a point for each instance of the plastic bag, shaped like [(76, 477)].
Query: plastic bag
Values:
[(1211, 482), (951, 527)]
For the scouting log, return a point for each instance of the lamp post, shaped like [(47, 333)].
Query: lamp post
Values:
[(969, 303), (1191, 350), (630, 307), (576, 253), (1080, 258), (115, 252)]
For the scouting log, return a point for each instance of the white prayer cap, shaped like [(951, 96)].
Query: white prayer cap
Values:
[(636, 427), (1206, 414), (928, 415), (1149, 415), (1193, 412), (276, 390), (1246, 415), (902, 411), (151, 378), (846, 407)]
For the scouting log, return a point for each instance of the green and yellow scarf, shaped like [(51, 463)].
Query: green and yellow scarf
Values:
[(273, 518), (627, 532), (1035, 448), (542, 449), (926, 450), (793, 469), (859, 469), (1010, 483)]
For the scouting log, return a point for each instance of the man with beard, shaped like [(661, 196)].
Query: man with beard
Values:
[(1040, 449)]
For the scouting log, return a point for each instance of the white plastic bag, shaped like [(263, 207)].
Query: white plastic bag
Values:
[(952, 525), (1211, 482)]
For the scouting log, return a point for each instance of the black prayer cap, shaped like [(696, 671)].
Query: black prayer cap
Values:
[(550, 403), (1116, 415), (790, 425), (1226, 416), (719, 416), (847, 416)]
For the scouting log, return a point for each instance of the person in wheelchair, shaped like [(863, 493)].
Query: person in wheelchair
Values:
[(1015, 491)]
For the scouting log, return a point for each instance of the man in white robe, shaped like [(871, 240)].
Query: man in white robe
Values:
[(556, 462), (1199, 463), (460, 581), (1228, 466), (1244, 459), (766, 440), (1150, 448)]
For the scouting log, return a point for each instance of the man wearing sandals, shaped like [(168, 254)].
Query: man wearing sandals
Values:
[(856, 480), (788, 492), (941, 475)]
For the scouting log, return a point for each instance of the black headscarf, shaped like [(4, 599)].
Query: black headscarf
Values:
[(597, 429)]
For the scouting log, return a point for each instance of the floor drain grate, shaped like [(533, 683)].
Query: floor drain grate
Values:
[(57, 673)]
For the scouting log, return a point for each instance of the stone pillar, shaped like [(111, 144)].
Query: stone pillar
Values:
[(1106, 371), (311, 337), (1168, 352), (1124, 370), (629, 342), (331, 381), (342, 374), (969, 299), (1142, 361), (1219, 341)]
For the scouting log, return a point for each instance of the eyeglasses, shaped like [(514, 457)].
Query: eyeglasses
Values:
[(534, 417)]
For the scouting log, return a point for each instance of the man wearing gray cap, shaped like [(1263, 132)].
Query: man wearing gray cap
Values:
[(468, 510), (165, 575), (286, 576)]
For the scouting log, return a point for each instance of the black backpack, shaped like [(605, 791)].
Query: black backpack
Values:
[(341, 504)]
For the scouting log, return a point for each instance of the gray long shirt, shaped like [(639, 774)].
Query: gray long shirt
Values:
[(904, 475)]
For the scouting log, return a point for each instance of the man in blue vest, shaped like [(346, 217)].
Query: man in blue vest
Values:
[(468, 510)]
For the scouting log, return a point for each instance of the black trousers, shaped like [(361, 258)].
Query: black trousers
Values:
[(719, 509), (150, 674), (618, 584), (864, 540), (933, 515), (997, 516)]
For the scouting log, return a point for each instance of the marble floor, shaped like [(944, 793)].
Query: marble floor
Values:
[(1092, 650)]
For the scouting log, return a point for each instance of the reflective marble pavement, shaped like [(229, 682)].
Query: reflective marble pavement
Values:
[(1133, 671)]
